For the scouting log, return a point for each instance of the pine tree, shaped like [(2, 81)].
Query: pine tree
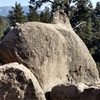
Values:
[(45, 16), (16, 14), (97, 9), (33, 15), (80, 12), (96, 30), (1, 26), (55, 5), (97, 13)]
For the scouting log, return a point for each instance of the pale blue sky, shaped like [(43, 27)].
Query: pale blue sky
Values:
[(25, 2)]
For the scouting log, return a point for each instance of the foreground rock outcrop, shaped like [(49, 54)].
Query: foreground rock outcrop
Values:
[(53, 52), (78, 91), (18, 83)]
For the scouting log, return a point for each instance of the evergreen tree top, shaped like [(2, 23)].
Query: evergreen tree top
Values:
[(16, 14)]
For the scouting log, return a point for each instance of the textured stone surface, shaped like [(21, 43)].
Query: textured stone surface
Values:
[(18, 83), (64, 92), (90, 94), (72, 92), (53, 52)]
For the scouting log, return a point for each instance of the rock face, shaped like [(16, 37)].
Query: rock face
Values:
[(53, 52), (18, 83), (64, 92), (72, 92)]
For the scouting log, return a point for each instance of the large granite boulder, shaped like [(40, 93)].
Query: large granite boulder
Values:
[(53, 52), (18, 83)]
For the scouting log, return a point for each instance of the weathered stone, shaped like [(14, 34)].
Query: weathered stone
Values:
[(90, 94), (64, 92), (72, 92), (18, 83), (53, 52)]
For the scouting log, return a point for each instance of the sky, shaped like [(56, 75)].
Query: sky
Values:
[(25, 2)]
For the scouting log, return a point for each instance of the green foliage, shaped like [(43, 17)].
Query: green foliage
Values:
[(97, 9), (81, 11), (55, 4), (33, 15), (16, 15), (45, 16), (1, 26), (96, 30), (98, 67)]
